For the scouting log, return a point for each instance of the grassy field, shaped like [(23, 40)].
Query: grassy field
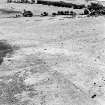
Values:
[(55, 61)]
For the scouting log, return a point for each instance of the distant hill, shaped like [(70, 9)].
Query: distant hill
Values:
[(75, 1), (68, 1)]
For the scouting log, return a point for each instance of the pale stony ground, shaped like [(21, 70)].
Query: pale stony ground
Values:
[(59, 61)]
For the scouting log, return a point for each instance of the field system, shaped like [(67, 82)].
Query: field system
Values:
[(52, 53)]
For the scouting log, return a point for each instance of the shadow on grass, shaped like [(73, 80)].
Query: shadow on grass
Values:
[(5, 48), (9, 11)]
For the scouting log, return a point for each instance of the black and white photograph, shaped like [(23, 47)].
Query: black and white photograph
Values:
[(52, 52)]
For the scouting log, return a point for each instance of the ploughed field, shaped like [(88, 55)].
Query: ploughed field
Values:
[(52, 61)]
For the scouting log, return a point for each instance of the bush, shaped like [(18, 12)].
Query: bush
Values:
[(27, 13), (59, 12), (96, 9), (54, 14), (72, 13), (62, 13), (66, 12), (44, 14), (95, 6), (86, 11)]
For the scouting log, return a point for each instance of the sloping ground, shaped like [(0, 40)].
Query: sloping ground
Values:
[(30, 80), (13, 9), (37, 9), (68, 1), (60, 61), (8, 13)]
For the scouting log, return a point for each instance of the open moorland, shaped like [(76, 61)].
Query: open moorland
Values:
[(51, 60)]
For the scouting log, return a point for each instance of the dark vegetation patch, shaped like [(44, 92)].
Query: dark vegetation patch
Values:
[(7, 11), (96, 9), (95, 6), (93, 96), (53, 3), (44, 14), (62, 4), (93, 9), (27, 13), (70, 13), (86, 12), (12, 13), (5, 48)]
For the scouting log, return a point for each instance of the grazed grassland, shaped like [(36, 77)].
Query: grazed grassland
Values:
[(57, 61)]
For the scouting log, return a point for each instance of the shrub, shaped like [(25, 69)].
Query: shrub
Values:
[(72, 13), (59, 12), (44, 14), (86, 11), (66, 12), (27, 14), (62, 13), (95, 6), (54, 14)]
